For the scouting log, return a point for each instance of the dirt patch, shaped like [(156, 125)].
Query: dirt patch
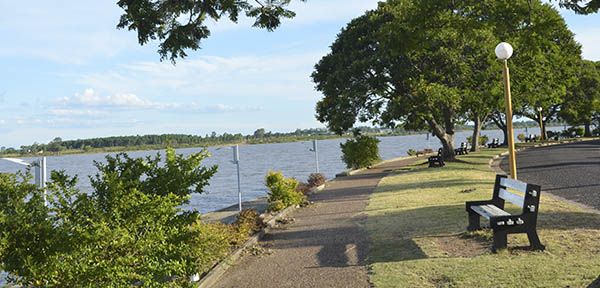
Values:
[(463, 245)]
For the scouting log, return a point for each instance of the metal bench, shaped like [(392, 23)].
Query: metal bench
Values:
[(495, 143), (502, 222), (436, 161), (462, 150)]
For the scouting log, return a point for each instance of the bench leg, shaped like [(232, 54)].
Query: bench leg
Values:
[(499, 240), (474, 222), (534, 241)]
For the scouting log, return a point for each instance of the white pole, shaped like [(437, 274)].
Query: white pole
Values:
[(236, 160), (316, 150), (43, 180)]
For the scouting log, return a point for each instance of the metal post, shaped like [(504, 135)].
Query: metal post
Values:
[(316, 150), (40, 176), (542, 136), (509, 124), (236, 160)]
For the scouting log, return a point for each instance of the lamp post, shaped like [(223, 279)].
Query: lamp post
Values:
[(236, 161), (316, 150), (542, 136), (504, 51)]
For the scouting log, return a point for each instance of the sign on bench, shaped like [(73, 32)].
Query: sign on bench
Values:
[(502, 222)]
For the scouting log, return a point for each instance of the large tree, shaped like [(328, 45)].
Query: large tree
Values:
[(430, 64), (583, 100), (545, 59), (182, 25)]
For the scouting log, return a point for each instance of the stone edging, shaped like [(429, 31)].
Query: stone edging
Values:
[(213, 275)]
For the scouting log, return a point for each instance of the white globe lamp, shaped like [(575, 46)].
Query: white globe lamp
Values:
[(504, 51)]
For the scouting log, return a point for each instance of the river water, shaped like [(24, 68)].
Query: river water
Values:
[(293, 159)]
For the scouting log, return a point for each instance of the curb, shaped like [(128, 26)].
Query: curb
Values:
[(214, 274)]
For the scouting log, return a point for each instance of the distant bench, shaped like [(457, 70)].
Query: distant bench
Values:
[(436, 161), (462, 150), (502, 222), (495, 143)]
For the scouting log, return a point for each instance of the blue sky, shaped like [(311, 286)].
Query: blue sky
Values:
[(66, 71)]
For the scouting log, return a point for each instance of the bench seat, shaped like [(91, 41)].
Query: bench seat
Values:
[(489, 211)]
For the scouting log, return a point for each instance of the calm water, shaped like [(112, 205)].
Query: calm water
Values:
[(293, 159)]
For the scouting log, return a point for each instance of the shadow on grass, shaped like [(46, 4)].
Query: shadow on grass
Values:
[(393, 233), (595, 284)]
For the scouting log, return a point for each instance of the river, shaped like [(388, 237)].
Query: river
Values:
[(293, 159)]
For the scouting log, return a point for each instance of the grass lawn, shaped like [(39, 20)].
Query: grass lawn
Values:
[(417, 222)]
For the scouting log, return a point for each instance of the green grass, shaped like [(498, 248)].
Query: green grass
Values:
[(412, 216)]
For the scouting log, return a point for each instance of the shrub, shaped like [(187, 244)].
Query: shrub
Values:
[(129, 230), (483, 139), (411, 152), (521, 137), (248, 222), (553, 135), (316, 179), (282, 191), (360, 151)]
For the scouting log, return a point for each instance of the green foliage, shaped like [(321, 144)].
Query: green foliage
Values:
[(282, 191), (316, 179), (360, 151), (248, 222), (181, 25), (581, 6), (521, 137), (483, 139), (411, 152), (583, 99), (129, 230)]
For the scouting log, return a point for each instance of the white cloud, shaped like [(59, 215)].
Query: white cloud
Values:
[(122, 100)]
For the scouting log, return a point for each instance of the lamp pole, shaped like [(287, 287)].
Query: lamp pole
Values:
[(542, 136), (236, 161), (504, 52), (316, 150)]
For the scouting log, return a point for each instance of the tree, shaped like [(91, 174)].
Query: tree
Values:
[(181, 25), (259, 133), (583, 100), (408, 62), (545, 59), (581, 6)]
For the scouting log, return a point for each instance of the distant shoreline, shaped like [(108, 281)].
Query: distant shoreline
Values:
[(266, 140)]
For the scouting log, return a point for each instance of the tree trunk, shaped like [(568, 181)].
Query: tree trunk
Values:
[(446, 136), (497, 119), (476, 132), (588, 130), (543, 131)]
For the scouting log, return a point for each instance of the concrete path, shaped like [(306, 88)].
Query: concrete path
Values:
[(571, 171), (325, 246)]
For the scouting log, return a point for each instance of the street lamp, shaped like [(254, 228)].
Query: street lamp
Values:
[(504, 51), (542, 136)]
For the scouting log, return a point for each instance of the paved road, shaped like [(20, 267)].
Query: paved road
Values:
[(324, 247), (571, 171)]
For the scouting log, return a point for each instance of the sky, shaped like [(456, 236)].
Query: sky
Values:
[(66, 71)]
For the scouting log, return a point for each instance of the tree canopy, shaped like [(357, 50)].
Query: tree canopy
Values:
[(581, 6), (430, 64), (181, 25)]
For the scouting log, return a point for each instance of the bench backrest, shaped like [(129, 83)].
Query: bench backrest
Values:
[(529, 202)]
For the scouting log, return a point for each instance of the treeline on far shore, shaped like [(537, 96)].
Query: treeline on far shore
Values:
[(149, 142)]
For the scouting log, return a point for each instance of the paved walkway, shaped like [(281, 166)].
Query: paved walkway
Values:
[(571, 171), (325, 246)]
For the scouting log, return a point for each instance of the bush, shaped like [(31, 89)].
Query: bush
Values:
[(248, 222), (483, 139), (282, 191), (130, 230), (316, 180), (521, 137), (553, 135), (360, 152), (411, 152)]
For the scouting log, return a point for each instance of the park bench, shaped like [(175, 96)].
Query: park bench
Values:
[(462, 150), (436, 161), (495, 143), (502, 222)]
